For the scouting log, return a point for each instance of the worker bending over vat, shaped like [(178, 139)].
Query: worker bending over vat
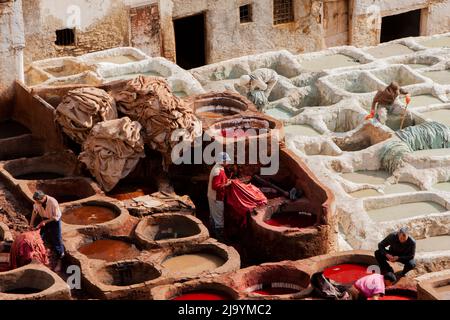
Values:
[(402, 248), (48, 209), (385, 104), (372, 286), (258, 86)]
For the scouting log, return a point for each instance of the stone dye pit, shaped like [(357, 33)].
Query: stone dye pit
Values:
[(109, 250), (64, 189), (195, 290), (211, 107), (88, 214), (283, 280), (46, 167), (32, 282), (434, 286), (199, 260), (405, 210), (170, 229)]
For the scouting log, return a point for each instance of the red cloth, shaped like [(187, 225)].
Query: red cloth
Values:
[(218, 184), (26, 247), (243, 198)]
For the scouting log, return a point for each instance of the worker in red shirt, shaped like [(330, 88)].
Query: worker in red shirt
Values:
[(217, 183)]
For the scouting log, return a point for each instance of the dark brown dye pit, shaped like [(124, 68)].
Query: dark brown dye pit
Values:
[(216, 113), (291, 219), (126, 192), (86, 215), (127, 273), (172, 228), (24, 290), (109, 250), (9, 129), (39, 176), (66, 198)]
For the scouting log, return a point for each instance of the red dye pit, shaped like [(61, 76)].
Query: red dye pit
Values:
[(109, 250), (393, 297), (204, 295), (346, 273), (291, 220), (85, 215), (275, 291), (127, 192), (237, 133)]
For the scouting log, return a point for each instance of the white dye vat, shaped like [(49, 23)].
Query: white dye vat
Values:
[(367, 177), (132, 76), (301, 130), (423, 100), (440, 115), (389, 50), (442, 186), (433, 152), (405, 210), (329, 62), (439, 243), (365, 193), (401, 188), (278, 113), (441, 77), (119, 59), (436, 42)]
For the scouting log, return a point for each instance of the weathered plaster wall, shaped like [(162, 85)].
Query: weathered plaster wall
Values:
[(439, 18), (367, 15), (228, 38), (100, 25), (11, 44)]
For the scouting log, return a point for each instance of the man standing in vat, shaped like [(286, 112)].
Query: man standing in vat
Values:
[(402, 248), (217, 183), (384, 104), (48, 209)]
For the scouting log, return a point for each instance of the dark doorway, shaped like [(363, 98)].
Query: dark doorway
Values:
[(190, 41), (400, 26)]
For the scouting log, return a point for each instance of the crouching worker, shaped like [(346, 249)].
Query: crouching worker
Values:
[(384, 104), (372, 286), (50, 227), (402, 248), (258, 86), (217, 183)]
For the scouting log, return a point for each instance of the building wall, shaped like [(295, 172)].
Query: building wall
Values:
[(11, 45), (99, 25), (148, 25), (367, 15), (228, 38)]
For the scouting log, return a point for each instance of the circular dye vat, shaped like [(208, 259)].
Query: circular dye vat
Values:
[(275, 291), (127, 192), (23, 290), (39, 176), (193, 263), (86, 215), (126, 273), (204, 295), (346, 273), (215, 112), (394, 297), (291, 219), (238, 133), (109, 250)]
